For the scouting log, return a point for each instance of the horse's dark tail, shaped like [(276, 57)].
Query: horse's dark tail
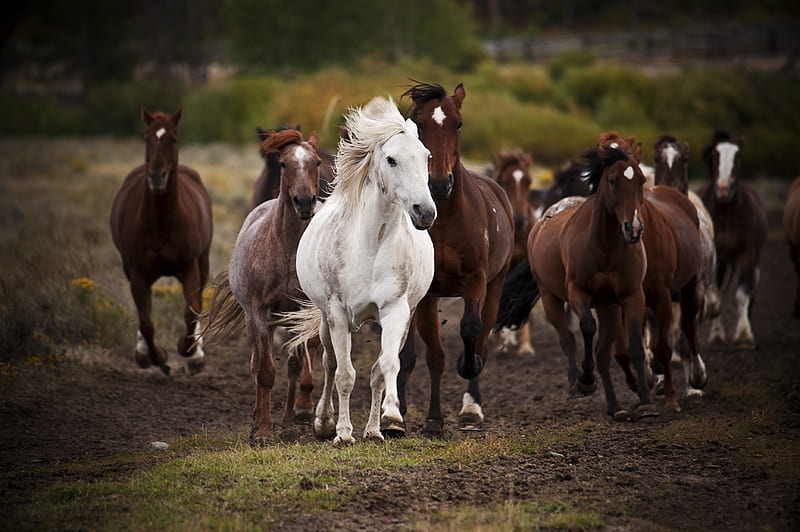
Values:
[(520, 294), (224, 317)]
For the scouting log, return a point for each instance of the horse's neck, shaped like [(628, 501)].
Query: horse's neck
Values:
[(455, 204), (604, 228), (161, 209), (375, 214)]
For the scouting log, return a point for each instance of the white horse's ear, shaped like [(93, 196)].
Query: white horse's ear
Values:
[(411, 127)]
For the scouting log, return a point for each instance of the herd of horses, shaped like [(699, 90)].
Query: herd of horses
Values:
[(394, 221)]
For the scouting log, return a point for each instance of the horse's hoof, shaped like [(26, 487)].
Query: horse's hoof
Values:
[(433, 428), (526, 350), (694, 392), (645, 411), (658, 385), (745, 345), (393, 428), (621, 415), (374, 436), (471, 371), (671, 405), (717, 343), (196, 366), (324, 430), (470, 422), (303, 415), (585, 388), (142, 359), (343, 441), (165, 368)]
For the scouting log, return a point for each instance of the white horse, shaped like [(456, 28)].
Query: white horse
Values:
[(366, 256)]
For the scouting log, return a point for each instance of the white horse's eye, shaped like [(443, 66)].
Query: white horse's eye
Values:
[(391, 161)]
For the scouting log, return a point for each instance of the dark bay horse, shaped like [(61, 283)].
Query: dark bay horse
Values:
[(791, 227), (161, 225), (262, 277), (473, 239), (740, 232), (588, 253), (512, 171), (268, 183)]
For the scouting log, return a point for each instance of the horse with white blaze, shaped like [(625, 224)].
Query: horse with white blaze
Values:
[(366, 255)]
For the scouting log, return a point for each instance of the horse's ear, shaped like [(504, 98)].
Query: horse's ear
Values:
[(176, 118), (685, 146), (459, 94), (740, 140), (313, 139), (146, 116), (528, 158), (631, 141), (637, 153)]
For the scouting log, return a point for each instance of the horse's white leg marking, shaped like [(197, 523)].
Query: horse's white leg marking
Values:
[(198, 353), (675, 332), (744, 333), (141, 345), (695, 370), (469, 406), (508, 338)]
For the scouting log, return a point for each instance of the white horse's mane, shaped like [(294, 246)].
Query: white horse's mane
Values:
[(367, 128)]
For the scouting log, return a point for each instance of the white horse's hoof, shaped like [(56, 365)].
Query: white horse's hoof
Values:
[(324, 429), (343, 441), (373, 435)]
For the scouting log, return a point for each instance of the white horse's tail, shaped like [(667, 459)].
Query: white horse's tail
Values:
[(302, 325)]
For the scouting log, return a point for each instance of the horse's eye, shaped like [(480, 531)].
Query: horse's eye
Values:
[(460, 124), (391, 162)]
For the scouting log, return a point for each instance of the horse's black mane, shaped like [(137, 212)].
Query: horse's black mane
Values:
[(422, 93), (597, 160), (666, 137)]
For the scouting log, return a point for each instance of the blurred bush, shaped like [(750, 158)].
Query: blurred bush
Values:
[(553, 111)]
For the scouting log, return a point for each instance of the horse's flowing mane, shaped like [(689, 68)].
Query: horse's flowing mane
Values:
[(422, 93), (277, 140), (596, 161), (367, 128)]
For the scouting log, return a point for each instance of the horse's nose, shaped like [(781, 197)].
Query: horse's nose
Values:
[(157, 180), (441, 188), (304, 206), (520, 222), (633, 230), (423, 216)]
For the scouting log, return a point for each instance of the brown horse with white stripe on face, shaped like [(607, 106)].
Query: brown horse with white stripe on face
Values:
[(473, 239), (161, 225), (740, 227), (512, 171)]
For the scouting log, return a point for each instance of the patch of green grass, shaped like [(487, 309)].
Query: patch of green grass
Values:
[(509, 516)]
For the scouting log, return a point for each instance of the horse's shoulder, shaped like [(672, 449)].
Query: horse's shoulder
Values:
[(492, 190), (671, 201)]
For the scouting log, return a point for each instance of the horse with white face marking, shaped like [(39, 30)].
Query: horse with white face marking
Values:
[(512, 171), (740, 227), (161, 225), (366, 256), (261, 276), (672, 169)]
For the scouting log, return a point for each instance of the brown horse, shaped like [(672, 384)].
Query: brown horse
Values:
[(511, 170), (791, 226), (268, 184), (587, 252), (262, 277), (161, 225), (671, 159), (473, 239), (740, 232)]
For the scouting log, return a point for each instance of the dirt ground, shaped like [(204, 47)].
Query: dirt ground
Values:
[(715, 476)]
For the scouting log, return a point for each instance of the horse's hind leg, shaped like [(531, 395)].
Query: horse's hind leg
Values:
[(298, 370), (716, 334), (147, 352), (748, 280), (693, 365), (191, 344), (556, 315)]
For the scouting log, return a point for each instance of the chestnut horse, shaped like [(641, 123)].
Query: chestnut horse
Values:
[(262, 276), (161, 225), (791, 226), (512, 172), (268, 184), (588, 253), (740, 232), (473, 238), (672, 169)]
